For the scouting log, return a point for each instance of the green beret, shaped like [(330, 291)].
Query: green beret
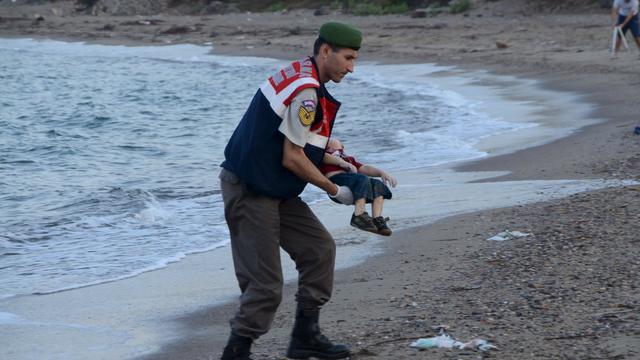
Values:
[(341, 35)]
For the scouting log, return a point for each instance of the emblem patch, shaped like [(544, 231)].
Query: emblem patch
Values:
[(309, 104), (306, 117)]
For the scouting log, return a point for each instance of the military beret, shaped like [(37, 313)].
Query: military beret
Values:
[(342, 35)]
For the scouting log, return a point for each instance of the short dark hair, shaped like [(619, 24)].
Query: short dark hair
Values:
[(318, 44)]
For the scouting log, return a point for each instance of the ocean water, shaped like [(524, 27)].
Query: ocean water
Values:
[(109, 154)]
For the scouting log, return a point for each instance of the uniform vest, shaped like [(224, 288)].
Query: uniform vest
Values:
[(254, 152)]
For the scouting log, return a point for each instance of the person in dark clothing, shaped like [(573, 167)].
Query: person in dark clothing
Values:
[(272, 155)]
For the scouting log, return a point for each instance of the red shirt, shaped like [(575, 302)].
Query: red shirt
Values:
[(326, 168)]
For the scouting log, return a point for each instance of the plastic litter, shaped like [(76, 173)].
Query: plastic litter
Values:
[(444, 340), (508, 235), (441, 341), (479, 344), (637, 130)]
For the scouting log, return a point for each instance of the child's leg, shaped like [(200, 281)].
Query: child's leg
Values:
[(359, 186), (361, 189), (378, 220), (360, 206), (376, 206)]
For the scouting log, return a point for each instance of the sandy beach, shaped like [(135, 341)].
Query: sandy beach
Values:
[(570, 290)]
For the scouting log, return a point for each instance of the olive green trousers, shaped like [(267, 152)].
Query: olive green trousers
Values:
[(259, 226)]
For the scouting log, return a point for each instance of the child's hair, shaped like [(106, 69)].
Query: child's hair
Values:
[(334, 144)]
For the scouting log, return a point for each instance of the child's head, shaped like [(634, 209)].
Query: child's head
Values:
[(334, 145)]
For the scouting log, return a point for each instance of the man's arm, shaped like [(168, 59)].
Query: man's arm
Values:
[(295, 160), (297, 119)]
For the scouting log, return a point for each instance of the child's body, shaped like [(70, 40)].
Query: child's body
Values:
[(345, 170)]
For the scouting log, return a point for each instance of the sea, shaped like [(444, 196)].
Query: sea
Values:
[(109, 155)]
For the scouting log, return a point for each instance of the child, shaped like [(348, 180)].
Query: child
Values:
[(345, 170)]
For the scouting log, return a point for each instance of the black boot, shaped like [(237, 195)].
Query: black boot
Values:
[(307, 341), (238, 348)]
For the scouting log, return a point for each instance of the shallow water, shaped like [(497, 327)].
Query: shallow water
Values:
[(109, 154)]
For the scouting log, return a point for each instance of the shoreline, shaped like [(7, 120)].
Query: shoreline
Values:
[(500, 97), (350, 317), (157, 279)]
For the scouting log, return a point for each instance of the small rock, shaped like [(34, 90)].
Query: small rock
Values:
[(365, 352), (108, 27), (141, 22), (419, 13), (322, 10), (178, 29), (295, 31), (501, 45)]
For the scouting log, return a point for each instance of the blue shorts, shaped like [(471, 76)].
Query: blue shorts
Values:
[(632, 24), (362, 186)]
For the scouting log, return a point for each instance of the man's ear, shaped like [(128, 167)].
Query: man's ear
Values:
[(325, 49)]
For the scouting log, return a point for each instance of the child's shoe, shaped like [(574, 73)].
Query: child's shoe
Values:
[(363, 222), (381, 225)]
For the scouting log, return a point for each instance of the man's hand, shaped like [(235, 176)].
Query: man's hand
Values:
[(343, 196)]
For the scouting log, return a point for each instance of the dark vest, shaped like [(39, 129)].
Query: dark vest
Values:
[(254, 152)]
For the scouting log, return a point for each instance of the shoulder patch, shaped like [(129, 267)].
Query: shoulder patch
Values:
[(306, 116)]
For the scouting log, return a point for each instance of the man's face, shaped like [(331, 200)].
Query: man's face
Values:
[(339, 63)]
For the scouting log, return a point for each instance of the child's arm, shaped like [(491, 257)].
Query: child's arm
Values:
[(373, 171), (334, 160)]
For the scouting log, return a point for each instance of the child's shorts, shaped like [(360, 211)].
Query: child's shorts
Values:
[(362, 186), (631, 25)]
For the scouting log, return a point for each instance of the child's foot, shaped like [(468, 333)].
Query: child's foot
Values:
[(363, 222), (381, 225)]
